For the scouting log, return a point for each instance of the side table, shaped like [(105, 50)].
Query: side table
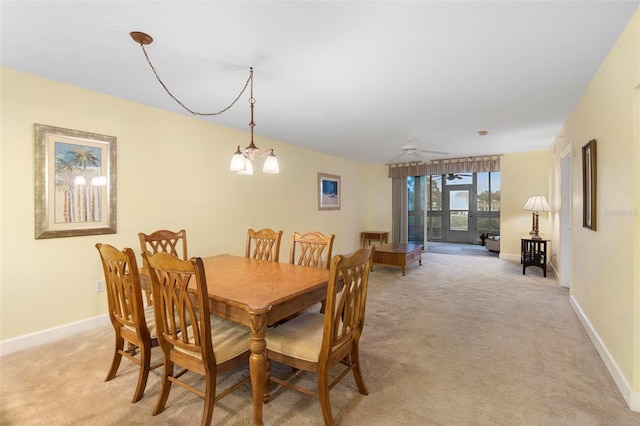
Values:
[(533, 252), (367, 236)]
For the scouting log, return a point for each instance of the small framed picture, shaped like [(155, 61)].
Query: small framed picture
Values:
[(75, 183), (328, 192)]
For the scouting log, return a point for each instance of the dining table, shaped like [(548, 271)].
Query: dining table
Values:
[(259, 293)]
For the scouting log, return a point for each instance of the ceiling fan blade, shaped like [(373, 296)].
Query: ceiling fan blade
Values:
[(414, 157), (433, 152), (396, 157)]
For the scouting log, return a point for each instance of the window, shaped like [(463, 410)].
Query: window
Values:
[(426, 193), (415, 207), (488, 202), (434, 208)]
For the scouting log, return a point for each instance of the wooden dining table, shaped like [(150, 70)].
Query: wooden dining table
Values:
[(257, 293)]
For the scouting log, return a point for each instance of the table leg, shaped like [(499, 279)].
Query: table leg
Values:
[(258, 363)]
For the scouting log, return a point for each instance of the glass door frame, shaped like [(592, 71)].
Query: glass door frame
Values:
[(455, 236)]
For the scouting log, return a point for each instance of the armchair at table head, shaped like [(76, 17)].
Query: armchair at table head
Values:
[(131, 321), (263, 244)]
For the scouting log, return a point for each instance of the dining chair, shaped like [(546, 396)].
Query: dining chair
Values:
[(189, 336), (131, 321), (266, 244), (316, 342), (166, 241), (163, 240), (311, 249)]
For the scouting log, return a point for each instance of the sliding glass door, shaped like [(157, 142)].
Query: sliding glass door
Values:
[(456, 207)]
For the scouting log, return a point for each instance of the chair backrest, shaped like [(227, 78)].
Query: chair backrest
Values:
[(311, 249), (124, 293), (266, 244), (182, 320), (345, 303), (162, 240)]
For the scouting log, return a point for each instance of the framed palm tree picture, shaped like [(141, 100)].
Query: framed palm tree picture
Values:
[(75, 183)]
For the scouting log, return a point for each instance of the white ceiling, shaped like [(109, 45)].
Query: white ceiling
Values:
[(351, 79)]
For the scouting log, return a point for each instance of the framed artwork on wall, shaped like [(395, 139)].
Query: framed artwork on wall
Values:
[(329, 192), (589, 185), (75, 183)]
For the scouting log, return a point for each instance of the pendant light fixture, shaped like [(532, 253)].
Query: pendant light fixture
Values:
[(241, 161)]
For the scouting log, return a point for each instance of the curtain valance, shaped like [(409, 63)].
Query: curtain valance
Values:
[(438, 167)]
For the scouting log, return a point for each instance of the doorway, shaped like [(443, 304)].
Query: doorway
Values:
[(460, 219), (564, 267), (453, 208)]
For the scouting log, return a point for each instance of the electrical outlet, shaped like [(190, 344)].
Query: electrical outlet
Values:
[(100, 286)]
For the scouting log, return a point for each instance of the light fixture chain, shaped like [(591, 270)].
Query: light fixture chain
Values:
[(249, 80)]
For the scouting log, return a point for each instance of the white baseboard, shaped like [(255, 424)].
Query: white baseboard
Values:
[(509, 257), (631, 397), (45, 336)]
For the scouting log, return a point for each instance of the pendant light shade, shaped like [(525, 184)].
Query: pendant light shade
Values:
[(271, 164)]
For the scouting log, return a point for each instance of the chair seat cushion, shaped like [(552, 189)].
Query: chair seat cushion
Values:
[(301, 337), (228, 338), (150, 319)]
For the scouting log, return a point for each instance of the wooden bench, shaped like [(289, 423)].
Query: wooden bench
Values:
[(397, 254)]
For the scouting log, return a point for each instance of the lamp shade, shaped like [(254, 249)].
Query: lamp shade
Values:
[(271, 164), (248, 168), (537, 203), (237, 161)]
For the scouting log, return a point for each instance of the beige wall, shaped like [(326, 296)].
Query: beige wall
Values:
[(605, 269), (172, 172), (379, 197), (522, 176)]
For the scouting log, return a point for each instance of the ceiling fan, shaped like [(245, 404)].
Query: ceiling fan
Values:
[(411, 150), (454, 176)]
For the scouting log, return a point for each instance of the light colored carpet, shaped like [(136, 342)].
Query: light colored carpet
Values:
[(460, 340)]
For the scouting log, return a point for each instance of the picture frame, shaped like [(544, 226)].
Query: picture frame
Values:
[(75, 183), (589, 185), (329, 192)]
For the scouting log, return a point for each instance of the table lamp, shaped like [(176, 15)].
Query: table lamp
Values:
[(535, 205)]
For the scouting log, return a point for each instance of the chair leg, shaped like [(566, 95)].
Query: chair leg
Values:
[(323, 393), (117, 357), (145, 366), (267, 395), (209, 399), (165, 387), (357, 374)]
